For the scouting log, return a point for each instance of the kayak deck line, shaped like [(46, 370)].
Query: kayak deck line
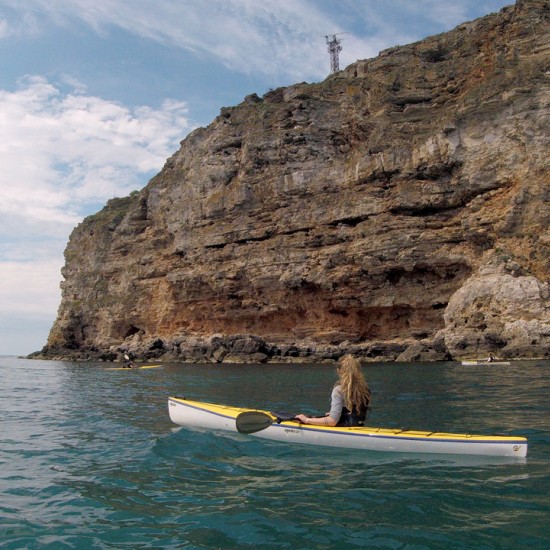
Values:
[(223, 417)]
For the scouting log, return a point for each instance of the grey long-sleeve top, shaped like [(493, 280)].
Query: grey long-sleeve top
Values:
[(336, 403)]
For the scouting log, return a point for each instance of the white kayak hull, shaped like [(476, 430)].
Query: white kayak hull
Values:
[(196, 414)]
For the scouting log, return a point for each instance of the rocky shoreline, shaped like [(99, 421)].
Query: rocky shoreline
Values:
[(251, 349)]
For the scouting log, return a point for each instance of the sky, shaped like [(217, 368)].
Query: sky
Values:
[(96, 95)]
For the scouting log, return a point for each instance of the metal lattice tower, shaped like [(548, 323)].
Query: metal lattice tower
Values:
[(334, 48)]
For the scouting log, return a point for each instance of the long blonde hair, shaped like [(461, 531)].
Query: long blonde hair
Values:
[(355, 390)]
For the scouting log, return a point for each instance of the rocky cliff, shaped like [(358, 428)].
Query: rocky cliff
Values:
[(398, 210)]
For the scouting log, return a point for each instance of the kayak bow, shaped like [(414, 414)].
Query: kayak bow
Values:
[(196, 414)]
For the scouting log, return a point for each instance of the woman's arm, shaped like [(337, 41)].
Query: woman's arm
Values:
[(323, 421)]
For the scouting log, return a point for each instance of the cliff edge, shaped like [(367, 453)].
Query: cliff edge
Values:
[(398, 210)]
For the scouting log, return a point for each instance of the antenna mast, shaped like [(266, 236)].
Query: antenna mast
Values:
[(334, 48)]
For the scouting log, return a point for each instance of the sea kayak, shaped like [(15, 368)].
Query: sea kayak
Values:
[(136, 368), (258, 423), (485, 362)]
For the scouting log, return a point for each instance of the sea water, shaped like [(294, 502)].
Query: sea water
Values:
[(90, 459)]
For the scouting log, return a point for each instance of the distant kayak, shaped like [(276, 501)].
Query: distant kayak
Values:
[(485, 362), (136, 368), (195, 414)]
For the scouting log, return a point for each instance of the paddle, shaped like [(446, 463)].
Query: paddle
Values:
[(249, 422)]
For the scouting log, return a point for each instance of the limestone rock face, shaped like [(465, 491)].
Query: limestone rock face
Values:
[(499, 309), (362, 214)]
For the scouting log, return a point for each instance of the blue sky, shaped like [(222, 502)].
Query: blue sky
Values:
[(96, 95)]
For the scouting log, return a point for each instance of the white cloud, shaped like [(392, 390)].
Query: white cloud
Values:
[(62, 154), (29, 298), (269, 37), (38, 297)]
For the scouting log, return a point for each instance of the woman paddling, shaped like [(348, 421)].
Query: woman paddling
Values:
[(349, 400), (130, 364)]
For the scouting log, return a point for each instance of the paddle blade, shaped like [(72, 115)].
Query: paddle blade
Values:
[(253, 421)]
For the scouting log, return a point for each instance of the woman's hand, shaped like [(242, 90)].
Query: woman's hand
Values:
[(302, 418)]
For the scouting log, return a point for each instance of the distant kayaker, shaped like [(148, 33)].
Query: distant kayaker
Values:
[(130, 364), (349, 400)]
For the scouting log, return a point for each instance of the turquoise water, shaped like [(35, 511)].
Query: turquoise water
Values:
[(90, 459)]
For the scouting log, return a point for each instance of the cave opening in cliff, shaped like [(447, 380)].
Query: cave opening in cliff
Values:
[(131, 332)]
